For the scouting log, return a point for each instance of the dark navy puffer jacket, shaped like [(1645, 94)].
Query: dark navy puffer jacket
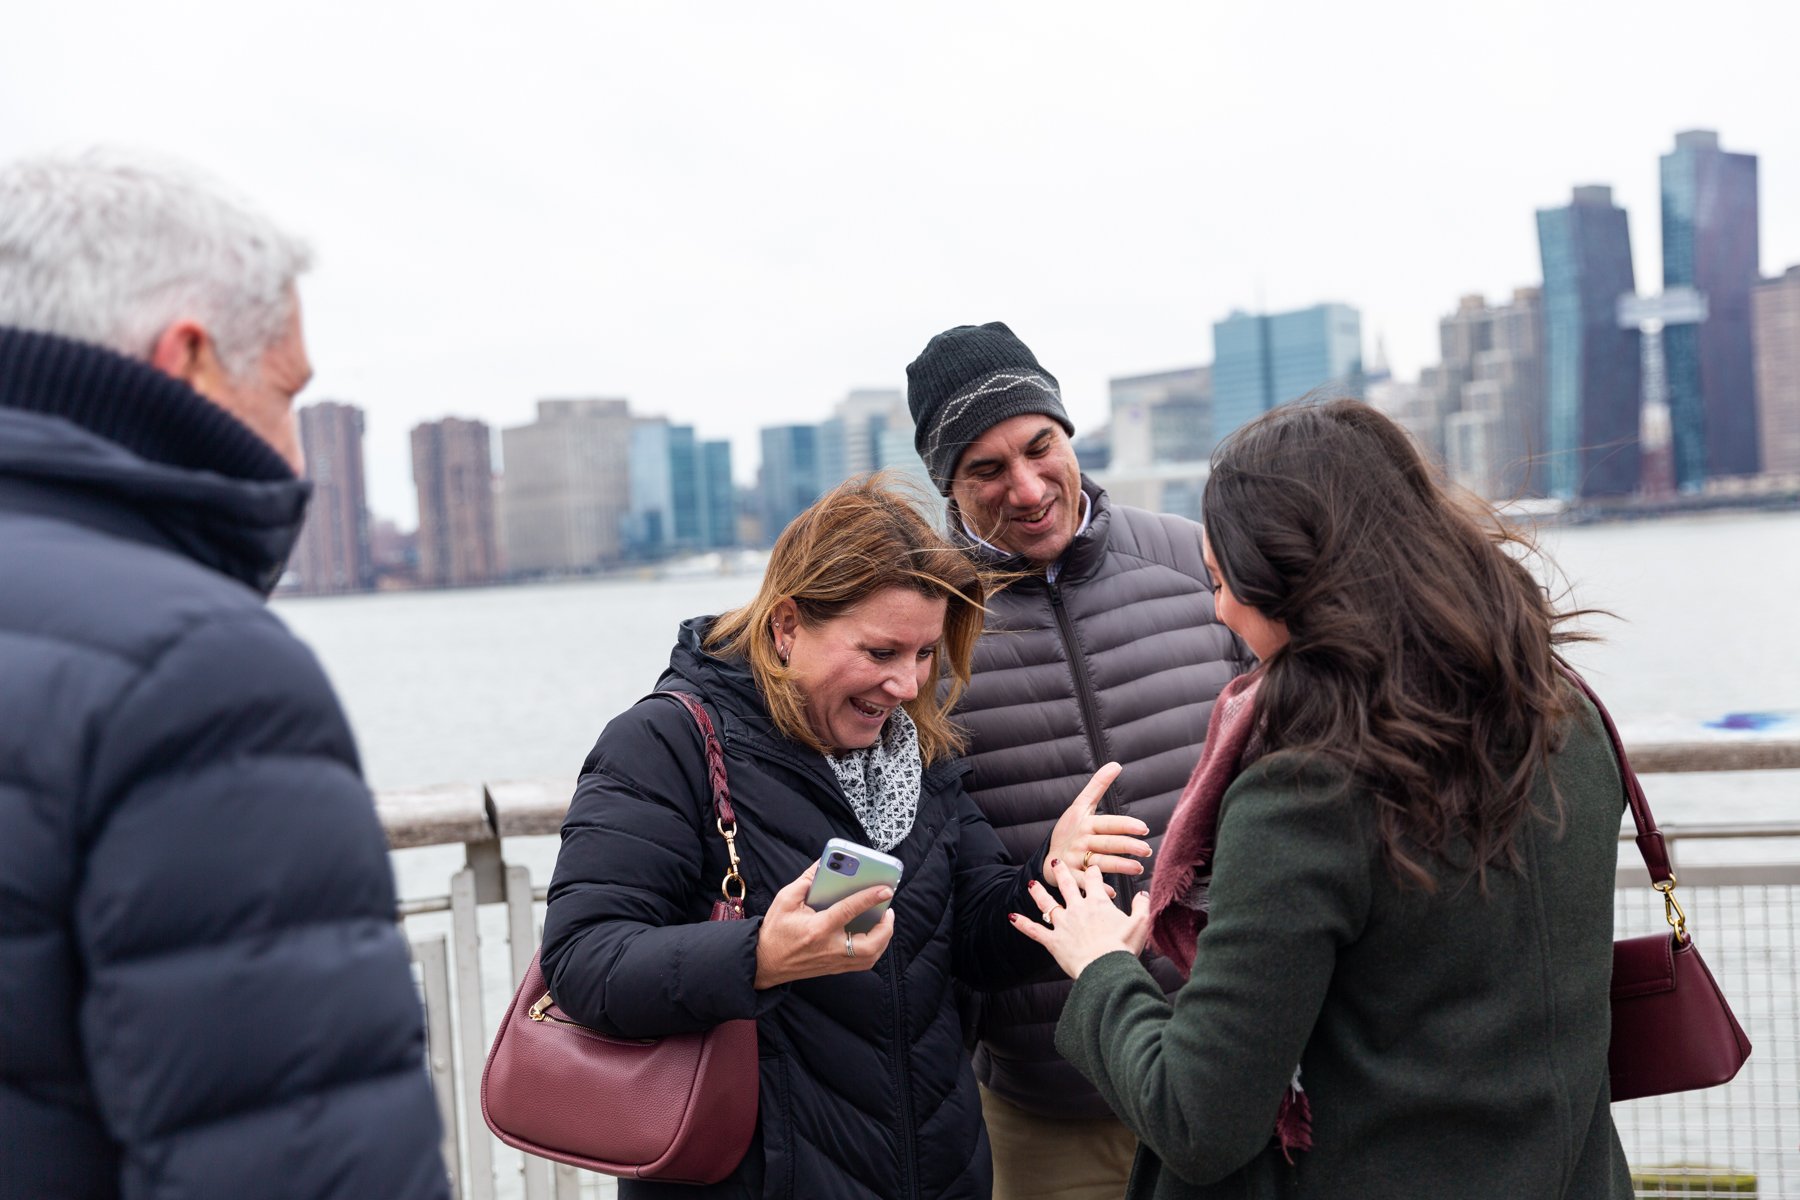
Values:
[(1118, 660), (866, 1090), (203, 993)]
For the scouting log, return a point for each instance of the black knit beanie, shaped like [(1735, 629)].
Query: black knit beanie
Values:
[(966, 381)]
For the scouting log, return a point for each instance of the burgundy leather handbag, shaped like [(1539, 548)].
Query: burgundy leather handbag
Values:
[(680, 1109), (1672, 1030)]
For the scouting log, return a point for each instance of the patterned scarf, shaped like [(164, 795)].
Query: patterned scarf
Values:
[(882, 781), (1178, 890)]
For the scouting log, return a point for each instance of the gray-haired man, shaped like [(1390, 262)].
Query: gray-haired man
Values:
[(1108, 651), (204, 990)]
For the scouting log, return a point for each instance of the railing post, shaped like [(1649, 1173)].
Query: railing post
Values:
[(483, 866), (434, 973), (522, 936)]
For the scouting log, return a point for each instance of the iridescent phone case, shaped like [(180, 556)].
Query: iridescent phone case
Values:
[(846, 868)]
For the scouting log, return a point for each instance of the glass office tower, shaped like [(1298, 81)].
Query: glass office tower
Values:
[(1263, 360), (1709, 243), (1593, 375), (792, 459)]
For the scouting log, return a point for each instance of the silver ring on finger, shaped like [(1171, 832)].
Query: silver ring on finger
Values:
[(849, 943), (1051, 912)]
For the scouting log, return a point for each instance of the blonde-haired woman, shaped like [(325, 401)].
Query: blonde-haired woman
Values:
[(825, 693)]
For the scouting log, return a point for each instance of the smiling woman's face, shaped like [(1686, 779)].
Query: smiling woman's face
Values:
[(855, 669)]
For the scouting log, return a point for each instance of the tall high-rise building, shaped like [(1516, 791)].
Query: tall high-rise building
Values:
[(1485, 401), (861, 434), (867, 415), (332, 554), (1709, 244), (1775, 308), (791, 477), (453, 470), (681, 492), (649, 530), (1165, 417), (717, 496), (1656, 318), (566, 491), (1263, 360), (1593, 375)]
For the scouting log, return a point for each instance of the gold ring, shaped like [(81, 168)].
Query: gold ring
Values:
[(849, 943), (1087, 860)]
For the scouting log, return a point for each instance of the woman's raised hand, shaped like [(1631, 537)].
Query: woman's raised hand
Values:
[(1086, 924), (798, 943), (1085, 837)]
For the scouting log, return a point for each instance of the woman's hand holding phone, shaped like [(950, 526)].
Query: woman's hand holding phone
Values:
[(798, 942)]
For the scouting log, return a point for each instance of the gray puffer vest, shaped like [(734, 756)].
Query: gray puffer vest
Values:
[(1119, 661)]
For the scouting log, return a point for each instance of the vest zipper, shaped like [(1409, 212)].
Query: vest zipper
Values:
[(1084, 686), (1090, 717)]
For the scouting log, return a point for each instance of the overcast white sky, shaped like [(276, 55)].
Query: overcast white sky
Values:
[(734, 213)]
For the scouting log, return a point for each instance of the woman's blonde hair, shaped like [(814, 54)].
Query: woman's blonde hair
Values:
[(862, 537)]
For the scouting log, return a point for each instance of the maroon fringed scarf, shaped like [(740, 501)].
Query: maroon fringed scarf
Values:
[(1184, 867)]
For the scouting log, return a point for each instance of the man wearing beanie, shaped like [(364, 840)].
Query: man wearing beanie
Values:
[(1106, 651)]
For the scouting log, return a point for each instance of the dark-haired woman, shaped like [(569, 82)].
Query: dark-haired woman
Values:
[(824, 691), (1391, 875)]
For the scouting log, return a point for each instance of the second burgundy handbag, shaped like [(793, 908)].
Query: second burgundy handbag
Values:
[(681, 1109), (1672, 1030)]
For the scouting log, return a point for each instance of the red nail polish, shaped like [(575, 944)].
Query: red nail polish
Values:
[(1053, 864)]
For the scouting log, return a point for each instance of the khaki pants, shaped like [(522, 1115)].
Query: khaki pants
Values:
[(1041, 1158)]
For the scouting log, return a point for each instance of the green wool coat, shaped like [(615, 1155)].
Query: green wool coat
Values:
[(1451, 1043)]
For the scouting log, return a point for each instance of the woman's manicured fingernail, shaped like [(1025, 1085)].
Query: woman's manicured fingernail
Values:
[(1053, 864), (1013, 917)]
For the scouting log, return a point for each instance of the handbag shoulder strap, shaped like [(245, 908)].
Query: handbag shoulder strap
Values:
[(1649, 838), (732, 887)]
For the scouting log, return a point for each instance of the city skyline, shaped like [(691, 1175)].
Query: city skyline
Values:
[(735, 216), (1472, 416)]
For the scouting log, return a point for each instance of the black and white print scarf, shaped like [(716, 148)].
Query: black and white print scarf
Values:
[(882, 781)]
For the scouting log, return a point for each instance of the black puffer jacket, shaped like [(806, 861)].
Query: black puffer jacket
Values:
[(1117, 661), (202, 989), (866, 1090)]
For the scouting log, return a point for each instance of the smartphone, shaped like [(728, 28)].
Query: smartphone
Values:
[(846, 868)]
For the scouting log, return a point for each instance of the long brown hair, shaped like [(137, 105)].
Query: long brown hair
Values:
[(1422, 654), (862, 537)]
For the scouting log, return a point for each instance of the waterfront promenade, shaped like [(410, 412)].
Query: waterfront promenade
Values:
[(488, 848), (447, 689)]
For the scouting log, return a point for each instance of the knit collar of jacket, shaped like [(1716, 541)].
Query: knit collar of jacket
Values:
[(80, 422), (1084, 557)]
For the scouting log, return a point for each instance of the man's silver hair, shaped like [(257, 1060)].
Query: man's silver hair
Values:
[(113, 247)]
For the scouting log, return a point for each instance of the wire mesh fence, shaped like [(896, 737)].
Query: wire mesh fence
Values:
[(1741, 1139)]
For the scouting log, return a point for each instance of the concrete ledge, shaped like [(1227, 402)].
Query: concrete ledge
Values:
[(529, 807), (1714, 754), (434, 816), (472, 812)]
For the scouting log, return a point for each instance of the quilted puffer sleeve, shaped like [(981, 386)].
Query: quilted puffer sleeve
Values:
[(989, 952), (249, 1019), (627, 947)]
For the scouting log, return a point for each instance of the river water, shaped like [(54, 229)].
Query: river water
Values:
[(516, 682)]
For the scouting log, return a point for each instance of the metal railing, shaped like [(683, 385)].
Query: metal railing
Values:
[(472, 944)]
